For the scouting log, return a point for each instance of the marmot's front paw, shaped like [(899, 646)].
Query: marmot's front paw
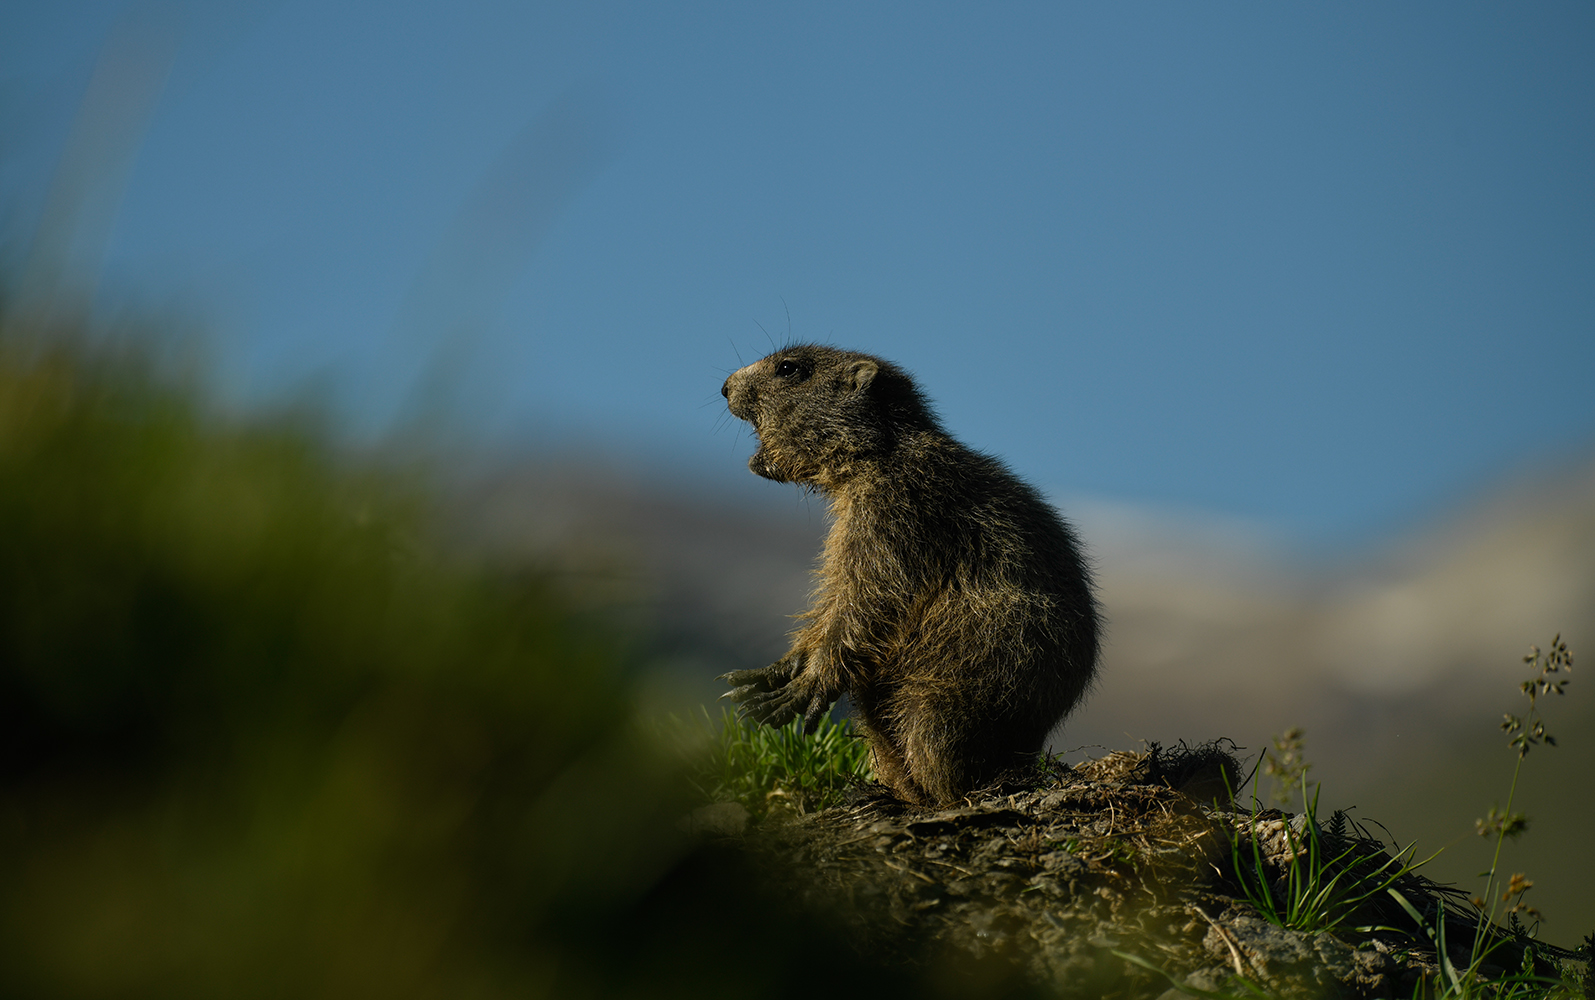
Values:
[(775, 695)]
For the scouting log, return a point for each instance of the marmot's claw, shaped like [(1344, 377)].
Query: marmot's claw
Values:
[(741, 694), (746, 678), (772, 708), (816, 712), (771, 677)]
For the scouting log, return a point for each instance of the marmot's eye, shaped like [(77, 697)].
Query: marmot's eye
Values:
[(787, 369)]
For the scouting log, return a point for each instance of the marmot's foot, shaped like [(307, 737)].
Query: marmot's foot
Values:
[(777, 694)]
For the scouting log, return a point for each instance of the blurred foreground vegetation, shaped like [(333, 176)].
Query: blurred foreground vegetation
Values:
[(258, 740)]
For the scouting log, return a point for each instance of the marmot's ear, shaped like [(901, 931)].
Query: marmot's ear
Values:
[(861, 373)]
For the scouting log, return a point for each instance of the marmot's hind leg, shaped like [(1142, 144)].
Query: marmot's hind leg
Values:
[(886, 748), (935, 745), (892, 770), (886, 755), (949, 754)]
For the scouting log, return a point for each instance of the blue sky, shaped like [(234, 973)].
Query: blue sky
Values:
[(1323, 267)]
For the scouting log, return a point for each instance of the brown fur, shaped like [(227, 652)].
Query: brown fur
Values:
[(953, 604)]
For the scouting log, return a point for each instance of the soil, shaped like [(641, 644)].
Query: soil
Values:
[(1114, 878)]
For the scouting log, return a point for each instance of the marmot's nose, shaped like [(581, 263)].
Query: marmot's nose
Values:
[(725, 389)]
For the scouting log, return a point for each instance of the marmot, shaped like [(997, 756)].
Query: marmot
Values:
[(953, 604)]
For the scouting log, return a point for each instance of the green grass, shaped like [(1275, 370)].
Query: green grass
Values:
[(771, 770), (1332, 875)]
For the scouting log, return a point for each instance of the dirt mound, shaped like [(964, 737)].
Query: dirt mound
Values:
[(1115, 878)]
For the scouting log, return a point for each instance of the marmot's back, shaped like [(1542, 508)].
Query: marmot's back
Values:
[(952, 603)]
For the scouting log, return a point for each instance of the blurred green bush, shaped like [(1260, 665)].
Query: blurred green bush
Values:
[(257, 740)]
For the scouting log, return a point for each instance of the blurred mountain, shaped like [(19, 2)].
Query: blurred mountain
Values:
[(1212, 624), (1397, 661)]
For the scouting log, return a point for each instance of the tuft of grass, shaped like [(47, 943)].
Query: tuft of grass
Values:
[(770, 770), (1329, 875)]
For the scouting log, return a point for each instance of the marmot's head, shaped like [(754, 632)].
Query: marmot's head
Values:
[(818, 411)]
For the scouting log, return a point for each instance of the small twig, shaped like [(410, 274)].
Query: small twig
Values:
[(1234, 951), (944, 864)]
